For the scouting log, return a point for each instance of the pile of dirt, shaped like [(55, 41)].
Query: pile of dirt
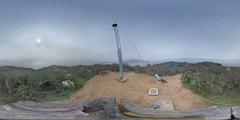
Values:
[(136, 89)]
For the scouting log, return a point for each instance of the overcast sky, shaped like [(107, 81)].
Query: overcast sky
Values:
[(68, 32)]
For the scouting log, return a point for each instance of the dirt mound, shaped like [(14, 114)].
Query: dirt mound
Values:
[(136, 89)]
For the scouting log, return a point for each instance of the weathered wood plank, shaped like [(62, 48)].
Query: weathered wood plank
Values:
[(54, 104), (94, 106), (130, 114), (133, 108), (39, 109), (30, 110), (109, 108), (218, 113), (14, 112), (236, 111), (212, 113)]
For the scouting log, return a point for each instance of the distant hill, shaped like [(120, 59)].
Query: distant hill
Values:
[(7, 68), (21, 83), (134, 62), (229, 63), (30, 63), (37, 63)]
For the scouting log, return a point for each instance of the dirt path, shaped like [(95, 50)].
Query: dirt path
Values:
[(136, 89)]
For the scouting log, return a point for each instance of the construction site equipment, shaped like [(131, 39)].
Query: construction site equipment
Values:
[(119, 51), (157, 77)]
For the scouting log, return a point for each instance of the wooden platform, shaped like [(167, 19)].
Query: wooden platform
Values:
[(41, 110), (127, 110), (236, 112), (138, 111), (218, 113), (211, 113)]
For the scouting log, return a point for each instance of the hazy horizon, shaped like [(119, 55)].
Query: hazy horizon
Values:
[(31, 63), (38, 33)]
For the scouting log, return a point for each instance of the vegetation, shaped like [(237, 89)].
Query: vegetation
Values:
[(218, 84), (50, 83)]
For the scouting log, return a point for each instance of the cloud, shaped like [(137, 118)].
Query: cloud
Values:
[(77, 32)]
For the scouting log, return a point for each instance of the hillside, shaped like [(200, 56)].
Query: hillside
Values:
[(17, 83), (136, 89), (211, 80)]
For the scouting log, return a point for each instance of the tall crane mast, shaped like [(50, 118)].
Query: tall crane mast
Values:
[(119, 51)]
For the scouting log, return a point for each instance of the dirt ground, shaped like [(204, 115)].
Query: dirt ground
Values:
[(136, 89)]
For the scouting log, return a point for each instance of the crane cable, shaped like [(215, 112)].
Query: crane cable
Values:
[(137, 51), (127, 38)]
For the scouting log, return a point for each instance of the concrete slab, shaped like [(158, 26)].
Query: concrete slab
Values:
[(153, 91)]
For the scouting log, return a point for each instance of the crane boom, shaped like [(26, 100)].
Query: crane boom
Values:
[(119, 51)]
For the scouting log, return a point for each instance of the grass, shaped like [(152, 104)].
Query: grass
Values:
[(42, 96), (223, 101), (3, 99), (2, 103), (66, 93), (54, 95), (187, 85), (213, 99), (70, 92)]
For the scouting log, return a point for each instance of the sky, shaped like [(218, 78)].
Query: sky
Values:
[(36, 33)]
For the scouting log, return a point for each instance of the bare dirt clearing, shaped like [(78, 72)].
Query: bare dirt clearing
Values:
[(136, 90)]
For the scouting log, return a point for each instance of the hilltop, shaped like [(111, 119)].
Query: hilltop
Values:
[(136, 89), (208, 79)]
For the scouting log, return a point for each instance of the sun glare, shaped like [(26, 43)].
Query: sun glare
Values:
[(38, 40)]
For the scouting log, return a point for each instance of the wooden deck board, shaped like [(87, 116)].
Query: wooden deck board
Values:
[(219, 113), (236, 111), (213, 113), (30, 110)]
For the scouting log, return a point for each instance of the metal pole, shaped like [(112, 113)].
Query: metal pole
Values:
[(119, 51)]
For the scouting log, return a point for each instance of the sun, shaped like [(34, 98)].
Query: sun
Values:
[(38, 40)]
